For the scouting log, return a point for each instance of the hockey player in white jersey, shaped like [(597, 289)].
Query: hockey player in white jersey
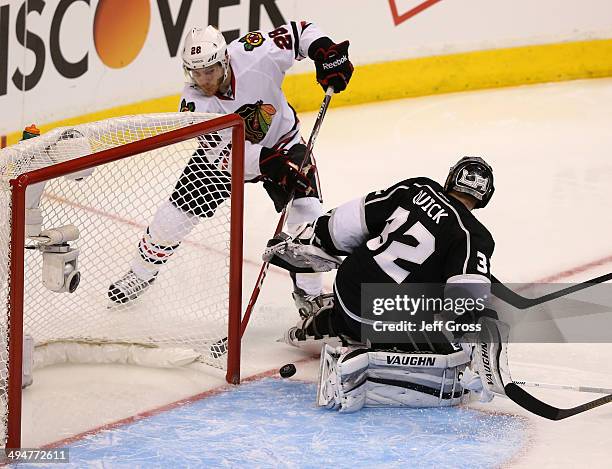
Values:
[(417, 232), (244, 77)]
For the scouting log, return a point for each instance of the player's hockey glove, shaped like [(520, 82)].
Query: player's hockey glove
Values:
[(280, 170), (332, 63)]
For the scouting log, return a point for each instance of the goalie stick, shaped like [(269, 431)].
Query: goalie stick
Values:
[(536, 406), (220, 347), (504, 293)]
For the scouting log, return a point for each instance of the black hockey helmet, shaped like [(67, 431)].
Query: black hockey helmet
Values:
[(473, 176)]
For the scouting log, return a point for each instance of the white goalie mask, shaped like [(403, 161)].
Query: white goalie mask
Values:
[(203, 48)]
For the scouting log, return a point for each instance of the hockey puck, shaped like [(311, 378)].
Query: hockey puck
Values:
[(287, 370)]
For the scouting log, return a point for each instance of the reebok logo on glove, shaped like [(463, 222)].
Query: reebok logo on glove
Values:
[(335, 63)]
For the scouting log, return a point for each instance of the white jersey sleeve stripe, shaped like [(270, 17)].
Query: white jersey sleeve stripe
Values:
[(380, 199)]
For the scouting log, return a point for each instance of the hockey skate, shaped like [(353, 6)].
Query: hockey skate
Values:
[(309, 305), (128, 288), (298, 255), (306, 334)]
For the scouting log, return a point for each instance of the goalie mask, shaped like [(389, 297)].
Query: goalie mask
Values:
[(473, 176), (204, 48)]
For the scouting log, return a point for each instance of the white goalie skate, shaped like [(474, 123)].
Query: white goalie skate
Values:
[(128, 288), (296, 256)]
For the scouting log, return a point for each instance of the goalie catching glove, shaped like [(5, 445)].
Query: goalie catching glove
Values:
[(280, 170), (301, 254)]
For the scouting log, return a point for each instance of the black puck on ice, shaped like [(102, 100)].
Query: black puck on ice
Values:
[(287, 370)]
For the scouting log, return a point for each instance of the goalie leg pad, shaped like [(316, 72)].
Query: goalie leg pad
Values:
[(350, 379), (354, 399), (379, 394), (328, 389), (415, 379), (472, 381), (342, 378), (491, 355)]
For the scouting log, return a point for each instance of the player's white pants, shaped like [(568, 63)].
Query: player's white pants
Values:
[(170, 226)]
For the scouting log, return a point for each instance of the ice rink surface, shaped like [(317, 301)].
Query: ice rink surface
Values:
[(550, 149), (281, 428)]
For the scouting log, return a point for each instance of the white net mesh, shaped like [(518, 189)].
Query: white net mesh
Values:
[(186, 306)]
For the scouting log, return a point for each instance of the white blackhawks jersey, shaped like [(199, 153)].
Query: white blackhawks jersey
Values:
[(259, 61)]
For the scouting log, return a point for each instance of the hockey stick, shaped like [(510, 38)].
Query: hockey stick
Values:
[(279, 227), (563, 387), (536, 406), (220, 347), (504, 293)]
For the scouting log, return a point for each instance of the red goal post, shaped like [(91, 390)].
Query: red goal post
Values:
[(160, 140)]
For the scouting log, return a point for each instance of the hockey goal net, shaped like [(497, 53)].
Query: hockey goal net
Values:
[(192, 310)]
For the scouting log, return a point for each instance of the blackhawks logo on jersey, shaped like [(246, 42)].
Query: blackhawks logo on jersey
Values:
[(252, 40), (187, 106), (257, 120)]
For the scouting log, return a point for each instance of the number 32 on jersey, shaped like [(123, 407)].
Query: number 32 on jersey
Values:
[(397, 250), (416, 254)]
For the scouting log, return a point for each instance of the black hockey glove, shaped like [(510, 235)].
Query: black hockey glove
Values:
[(332, 63), (281, 174)]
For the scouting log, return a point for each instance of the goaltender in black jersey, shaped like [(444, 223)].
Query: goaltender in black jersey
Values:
[(416, 231)]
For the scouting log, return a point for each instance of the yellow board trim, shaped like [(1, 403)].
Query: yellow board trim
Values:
[(419, 77)]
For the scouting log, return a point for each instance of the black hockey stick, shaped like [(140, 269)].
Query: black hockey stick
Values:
[(536, 406), (504, 293)]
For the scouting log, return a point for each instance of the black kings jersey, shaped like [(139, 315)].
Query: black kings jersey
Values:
[(410, 232)]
